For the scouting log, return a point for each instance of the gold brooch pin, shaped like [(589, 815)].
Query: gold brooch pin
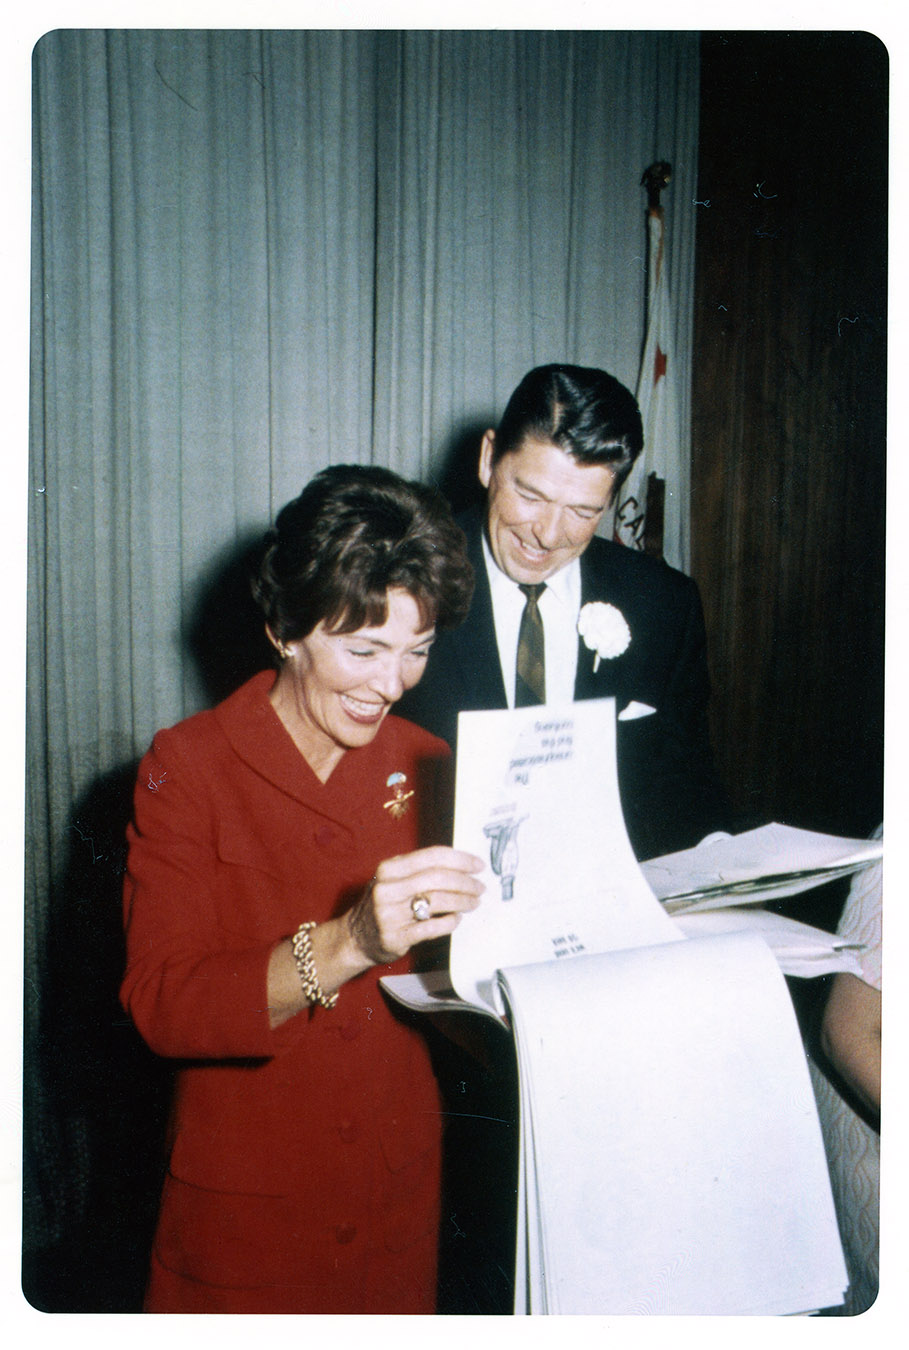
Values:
[(400, 802)]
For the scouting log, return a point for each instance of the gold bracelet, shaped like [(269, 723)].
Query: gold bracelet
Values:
[(306, 968)]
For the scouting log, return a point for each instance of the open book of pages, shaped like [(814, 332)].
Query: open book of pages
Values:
[(671, 1157), (537, 797)]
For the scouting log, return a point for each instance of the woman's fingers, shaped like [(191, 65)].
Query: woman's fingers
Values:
[(415, 897), (443, 891), (406, 866), (445, 871)]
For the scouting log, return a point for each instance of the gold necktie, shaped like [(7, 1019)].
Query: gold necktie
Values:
[(530, 676)]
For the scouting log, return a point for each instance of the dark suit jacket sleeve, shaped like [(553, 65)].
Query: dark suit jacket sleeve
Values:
[(671, 795)]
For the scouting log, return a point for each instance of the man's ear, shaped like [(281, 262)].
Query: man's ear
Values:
[(487, 449)]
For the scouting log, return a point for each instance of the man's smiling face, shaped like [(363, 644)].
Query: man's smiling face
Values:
[(542, 507)]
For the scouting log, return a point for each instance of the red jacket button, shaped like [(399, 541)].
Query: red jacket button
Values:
[(345, 1232)]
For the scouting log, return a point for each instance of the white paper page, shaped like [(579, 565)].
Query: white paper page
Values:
[(679, 1159), (799, 948), (528, 1247), (755, 892), (766, 855), (432, 992), (537, 797), (521, 1277)]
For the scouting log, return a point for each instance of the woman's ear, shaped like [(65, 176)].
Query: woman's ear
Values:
[(283, 651)]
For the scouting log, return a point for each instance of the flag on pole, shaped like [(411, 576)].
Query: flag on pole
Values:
[(657, 399)]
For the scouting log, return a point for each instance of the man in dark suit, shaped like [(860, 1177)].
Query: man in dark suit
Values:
[(567, 441)]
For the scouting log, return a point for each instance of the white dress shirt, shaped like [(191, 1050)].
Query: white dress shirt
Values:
[(559, 607)]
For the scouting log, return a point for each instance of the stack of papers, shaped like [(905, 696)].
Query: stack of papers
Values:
[(769, 863), (671, 1162), (671, 1156)]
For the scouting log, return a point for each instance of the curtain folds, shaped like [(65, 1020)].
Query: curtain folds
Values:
[(255, 253)]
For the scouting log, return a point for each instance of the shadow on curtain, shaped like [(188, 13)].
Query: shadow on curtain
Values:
[(97, 1136), (98, 1139)]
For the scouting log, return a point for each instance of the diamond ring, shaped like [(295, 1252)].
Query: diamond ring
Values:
[(419, 907)]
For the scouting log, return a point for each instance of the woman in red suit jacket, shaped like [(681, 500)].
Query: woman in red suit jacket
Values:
[(275, 872)]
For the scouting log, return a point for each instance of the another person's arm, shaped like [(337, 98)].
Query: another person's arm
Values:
[(851, 1036), (851, 1028)]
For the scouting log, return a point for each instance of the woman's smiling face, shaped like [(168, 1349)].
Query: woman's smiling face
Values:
[(338, 687)]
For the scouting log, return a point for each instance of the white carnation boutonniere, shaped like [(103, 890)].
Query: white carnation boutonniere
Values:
[(604, 631)]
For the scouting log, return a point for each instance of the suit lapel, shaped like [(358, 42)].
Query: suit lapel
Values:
[(259, 738), (607, 682), (474, 644), (474, 648)]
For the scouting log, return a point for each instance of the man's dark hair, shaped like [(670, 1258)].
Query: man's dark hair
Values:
[(585, 412)]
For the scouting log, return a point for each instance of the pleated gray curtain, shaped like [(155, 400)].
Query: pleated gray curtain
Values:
[(256, 253)]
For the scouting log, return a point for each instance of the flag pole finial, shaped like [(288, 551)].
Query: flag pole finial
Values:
[(655, 179)]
